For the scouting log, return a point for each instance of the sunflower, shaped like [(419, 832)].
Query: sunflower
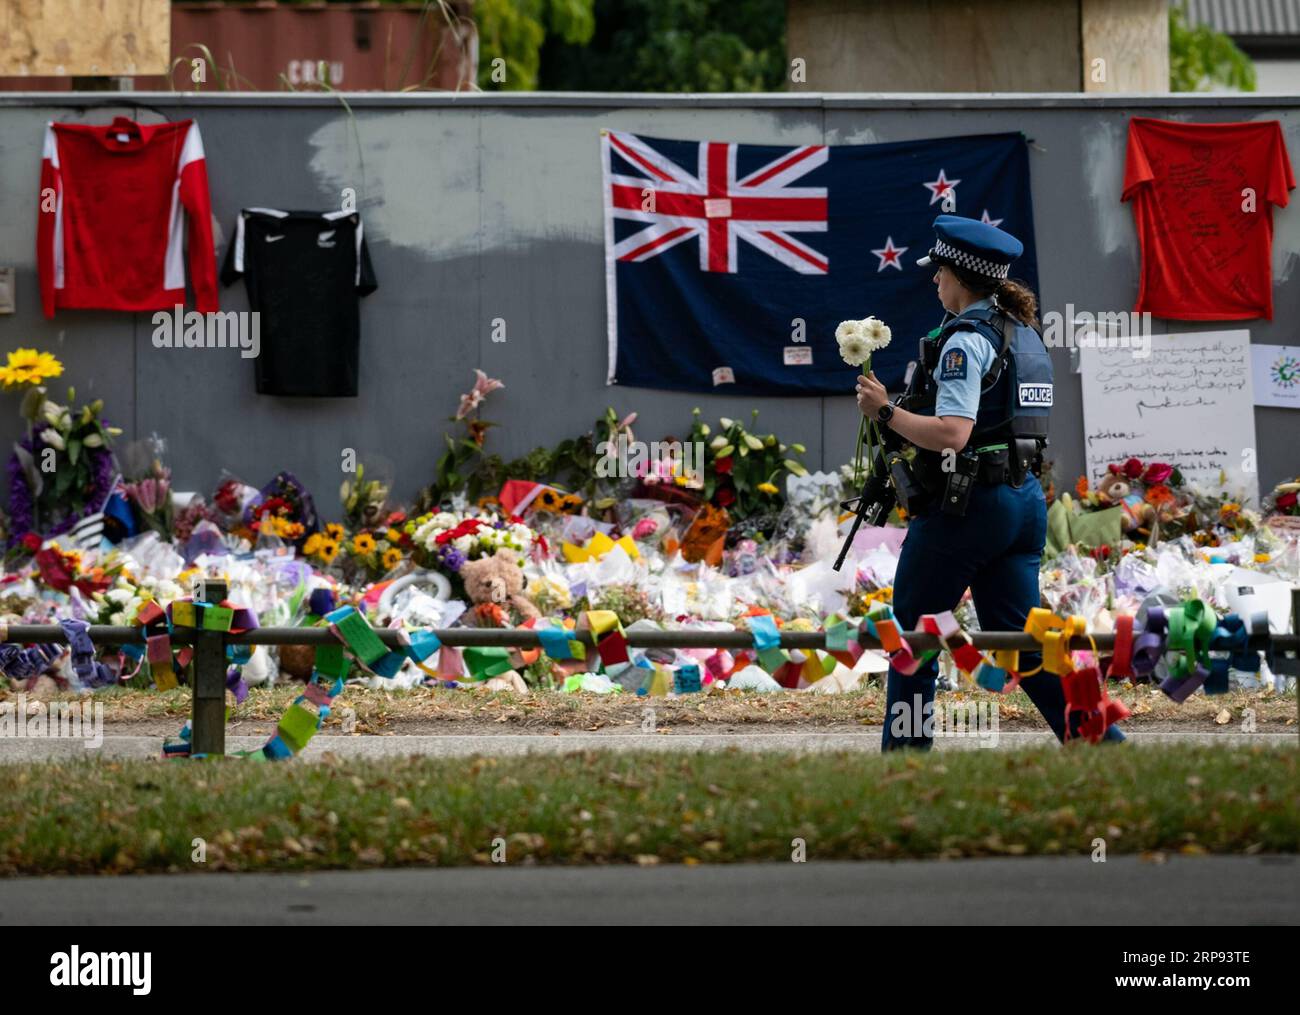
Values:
[(570, 502), (27, 366), (393, 536), (391, 558), (363, 543), (329, 549), (548, 500), (335, 531), (313, 543)]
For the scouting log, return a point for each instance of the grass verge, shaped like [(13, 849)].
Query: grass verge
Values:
[(119, 817)]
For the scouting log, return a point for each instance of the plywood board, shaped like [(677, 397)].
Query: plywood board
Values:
[(1125, 45), (84, 37)]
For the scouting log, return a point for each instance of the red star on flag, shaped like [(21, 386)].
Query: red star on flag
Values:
[(890, 255), (939, 188), (988, 221)]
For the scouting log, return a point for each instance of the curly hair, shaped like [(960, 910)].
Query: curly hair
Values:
[(1014, 297)]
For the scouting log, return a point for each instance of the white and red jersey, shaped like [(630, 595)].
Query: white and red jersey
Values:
[(113, 208)]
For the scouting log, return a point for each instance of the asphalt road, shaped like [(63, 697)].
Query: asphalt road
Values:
[(34, 749), (993, 892)]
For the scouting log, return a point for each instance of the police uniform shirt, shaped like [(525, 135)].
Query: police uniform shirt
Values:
[(966, 358)]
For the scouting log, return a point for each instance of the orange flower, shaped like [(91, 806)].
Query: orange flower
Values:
[(1081, 487), (1159, 495)]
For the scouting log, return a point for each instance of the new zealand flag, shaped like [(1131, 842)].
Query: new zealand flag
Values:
[(729, 266)]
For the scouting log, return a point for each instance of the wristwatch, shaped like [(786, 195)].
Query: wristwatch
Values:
[(885, 413)]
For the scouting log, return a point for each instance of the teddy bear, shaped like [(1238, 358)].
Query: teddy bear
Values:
[(495, 586)]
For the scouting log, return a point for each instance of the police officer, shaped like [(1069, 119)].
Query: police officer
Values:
[(976, 410)]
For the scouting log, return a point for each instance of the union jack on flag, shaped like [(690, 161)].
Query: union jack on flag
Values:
[(763, 208), (728, 266)]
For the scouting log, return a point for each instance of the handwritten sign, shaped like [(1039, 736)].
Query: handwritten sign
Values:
[(1189, 403)]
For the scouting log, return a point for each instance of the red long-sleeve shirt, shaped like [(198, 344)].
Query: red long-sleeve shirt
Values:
[(114, 206)]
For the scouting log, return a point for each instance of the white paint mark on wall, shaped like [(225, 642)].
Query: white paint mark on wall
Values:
[(1103, 171), (419, 188), (421, 185), (861, 135)]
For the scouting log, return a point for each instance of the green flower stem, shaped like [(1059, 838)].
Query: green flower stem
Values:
[(866, 428)]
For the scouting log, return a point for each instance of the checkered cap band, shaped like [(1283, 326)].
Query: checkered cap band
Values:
[(979, 265)]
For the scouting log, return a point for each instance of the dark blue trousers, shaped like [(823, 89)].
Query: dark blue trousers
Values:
[(994, 550)]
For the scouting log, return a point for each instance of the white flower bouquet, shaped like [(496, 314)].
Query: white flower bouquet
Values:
[(858, 340)]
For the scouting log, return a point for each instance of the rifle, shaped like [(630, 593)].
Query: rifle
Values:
[(890, 474)]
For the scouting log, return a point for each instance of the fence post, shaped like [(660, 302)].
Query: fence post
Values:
[(208, 695)]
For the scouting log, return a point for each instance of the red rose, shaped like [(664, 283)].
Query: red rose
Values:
[(1132, 468), (1113, 469), (1287, 500), (725, 497), (1158, 472), (33, 542), (723, 466)]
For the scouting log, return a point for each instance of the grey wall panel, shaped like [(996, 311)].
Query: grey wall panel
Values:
[(479, 208)]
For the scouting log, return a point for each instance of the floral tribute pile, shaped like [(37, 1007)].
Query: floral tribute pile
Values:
[(739, 538)]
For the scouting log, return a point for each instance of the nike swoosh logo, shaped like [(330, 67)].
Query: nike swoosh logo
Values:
[(272, 239)]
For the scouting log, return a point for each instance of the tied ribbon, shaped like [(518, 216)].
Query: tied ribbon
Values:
[(90, 671), (1121, 659), (1191, 629), (881, 625), (557, 644), (25, 663), (1084, 692), (1054, 634), (767, 645), (607, 632), (1149, 646)]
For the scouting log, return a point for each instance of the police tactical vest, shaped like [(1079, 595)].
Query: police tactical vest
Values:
[(1015, 393)]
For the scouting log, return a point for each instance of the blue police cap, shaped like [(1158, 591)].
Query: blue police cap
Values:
[(976, 246)]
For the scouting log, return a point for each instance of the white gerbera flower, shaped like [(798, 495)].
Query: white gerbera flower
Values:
[(876, 333), (854, 350), (847, 330)]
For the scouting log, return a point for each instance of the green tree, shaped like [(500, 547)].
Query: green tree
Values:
[(1200, 57), (674, 46), (513, 31)]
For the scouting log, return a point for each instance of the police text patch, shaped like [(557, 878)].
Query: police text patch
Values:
[(1039, 395), (952, 367)]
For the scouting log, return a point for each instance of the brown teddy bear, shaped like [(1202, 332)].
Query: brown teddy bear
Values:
[(495, 585)]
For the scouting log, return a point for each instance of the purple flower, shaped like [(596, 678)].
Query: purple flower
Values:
[(103, 471), (453, 559)]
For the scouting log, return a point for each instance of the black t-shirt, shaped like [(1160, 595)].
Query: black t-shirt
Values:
[(305, 272)]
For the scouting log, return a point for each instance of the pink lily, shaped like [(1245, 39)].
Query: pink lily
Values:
[(483, 386)]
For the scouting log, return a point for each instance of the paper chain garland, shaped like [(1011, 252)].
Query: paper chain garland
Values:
[(1202, 646), (1191, 629), (357, 643)]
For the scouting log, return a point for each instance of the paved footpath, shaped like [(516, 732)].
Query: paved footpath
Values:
[(25, 750), (1182, 891)]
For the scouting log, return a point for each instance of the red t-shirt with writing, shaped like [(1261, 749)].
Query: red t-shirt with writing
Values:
[(1202, 198)]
